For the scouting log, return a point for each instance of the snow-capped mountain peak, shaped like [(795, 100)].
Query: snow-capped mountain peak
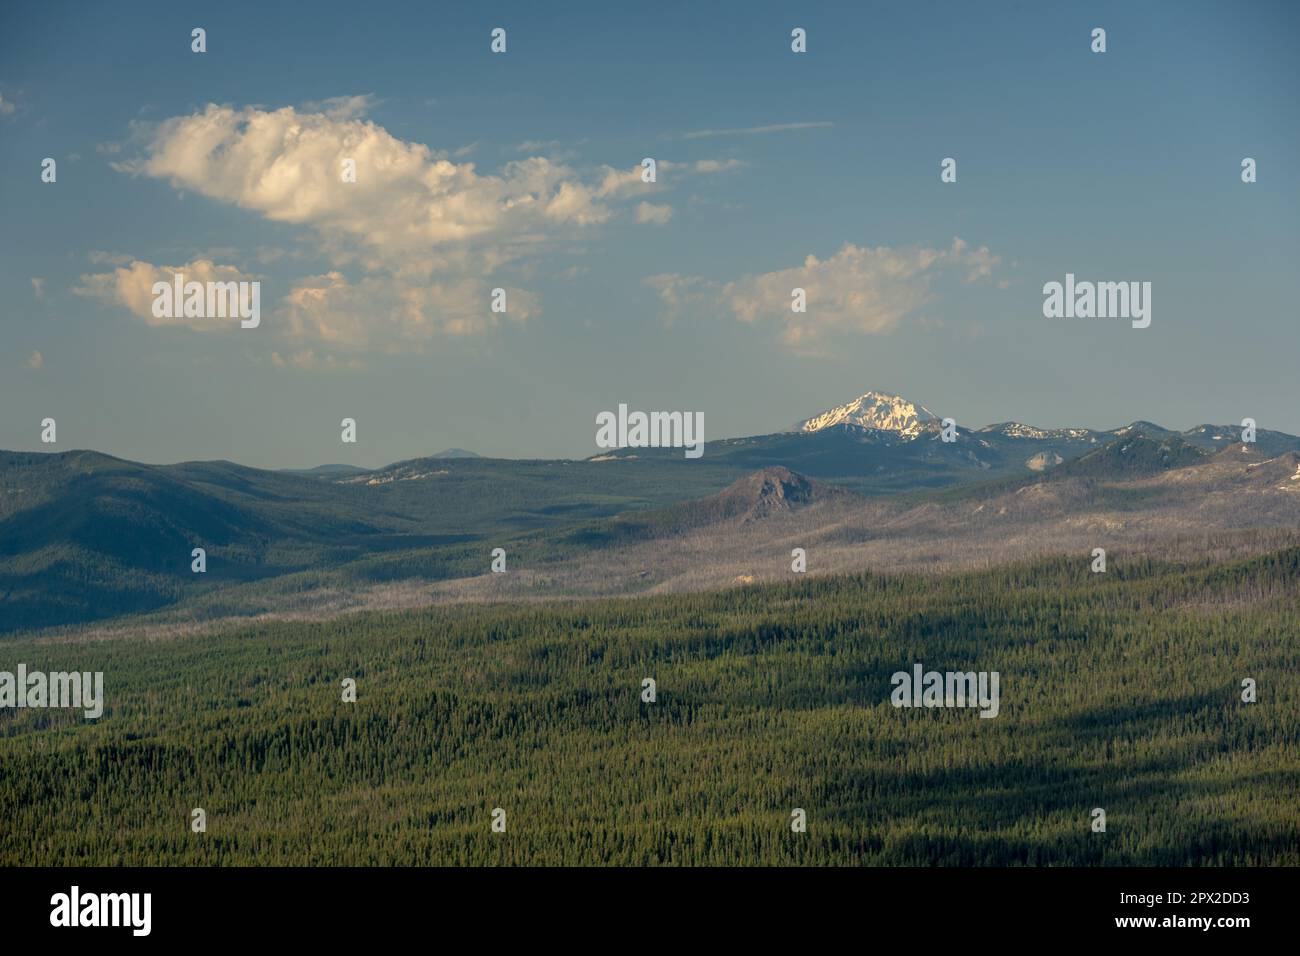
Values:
[(878, 410)]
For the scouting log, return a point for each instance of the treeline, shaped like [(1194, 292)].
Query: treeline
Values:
[(1119, 691)]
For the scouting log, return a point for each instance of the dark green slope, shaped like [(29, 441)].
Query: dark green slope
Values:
[(1117, 691), (84, 536), (1134, 457)]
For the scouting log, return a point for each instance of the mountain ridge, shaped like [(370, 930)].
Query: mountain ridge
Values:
[(85, 536), (882, 411)]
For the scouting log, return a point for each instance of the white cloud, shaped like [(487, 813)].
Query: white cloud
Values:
[(415, 243), (382, 314), (408, 204), (650, 212), (373, 314), (35, 360), (131, 286), (859, 289)]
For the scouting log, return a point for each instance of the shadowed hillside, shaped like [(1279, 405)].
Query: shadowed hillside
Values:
[(85, 536)]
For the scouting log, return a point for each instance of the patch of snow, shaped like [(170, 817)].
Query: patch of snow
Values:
[(877, 410)]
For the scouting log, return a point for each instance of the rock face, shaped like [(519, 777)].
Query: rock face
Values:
[(771, 490), (768, 492)]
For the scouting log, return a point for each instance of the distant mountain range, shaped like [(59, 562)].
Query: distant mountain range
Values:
[(85, 536), (883, 443), (335, 470), (881, 411)]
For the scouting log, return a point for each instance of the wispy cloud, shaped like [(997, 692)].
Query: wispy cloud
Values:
[(755, 130), (654, 213), (308, 359), (342, 107), (102, 258)]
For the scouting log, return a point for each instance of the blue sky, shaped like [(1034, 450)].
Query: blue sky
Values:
[(520, 171)]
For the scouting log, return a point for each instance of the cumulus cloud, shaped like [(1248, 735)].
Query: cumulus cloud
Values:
[(372, 314), (408, 201), (415, 243), (380, 314), (131, 287), (859, 289)]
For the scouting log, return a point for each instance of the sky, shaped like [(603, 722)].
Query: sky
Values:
[(522, 171)]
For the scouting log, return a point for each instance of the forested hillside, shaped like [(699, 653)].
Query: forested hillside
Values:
[(1119, 691)]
